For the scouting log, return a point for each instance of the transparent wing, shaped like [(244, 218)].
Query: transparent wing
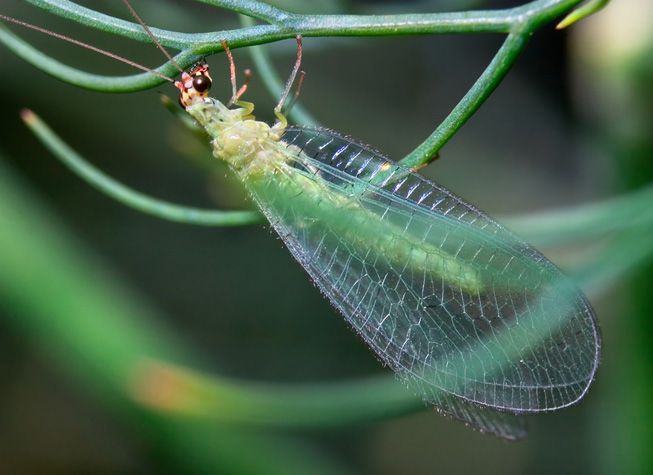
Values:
[(473, 319)]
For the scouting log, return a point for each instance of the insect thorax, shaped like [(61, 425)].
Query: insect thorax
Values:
[(248, 145)]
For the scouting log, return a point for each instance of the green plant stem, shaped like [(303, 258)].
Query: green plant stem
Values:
[(252, 8), (132, 198), (626, 252), (581, 12), (324, 24), (275, 406), (519, 22), (77, 77), (631, 211), (287, 25), (557, 227), (479, 92), (103, 22)]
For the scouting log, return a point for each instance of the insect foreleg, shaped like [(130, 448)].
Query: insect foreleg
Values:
[(291, 79)]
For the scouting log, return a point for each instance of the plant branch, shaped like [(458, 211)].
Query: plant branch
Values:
[(590, 221), (129, 197), (282, 25), (288, 25), (103, 22), (226, 401), (479, 92), (581, 12), (555, 227), (252, 8), (77, 77)]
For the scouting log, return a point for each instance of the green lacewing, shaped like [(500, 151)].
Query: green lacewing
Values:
[(471, 318), (464, 312)]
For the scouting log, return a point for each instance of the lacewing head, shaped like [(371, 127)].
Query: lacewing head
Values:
[(196, 82)]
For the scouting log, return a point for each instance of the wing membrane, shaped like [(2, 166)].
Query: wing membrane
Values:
[(471, 317)]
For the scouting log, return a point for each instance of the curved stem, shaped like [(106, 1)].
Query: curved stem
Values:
[(555, 227), (284, 25), (132, 198), (252, 8), (587, 221), (479, 92), (302, 405), (288, 25), (581, 12), (95, 82), (103, 22)]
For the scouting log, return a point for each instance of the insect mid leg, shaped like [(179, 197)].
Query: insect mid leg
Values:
[(248, 106), (236, 93), (298, 90), (290, 82)]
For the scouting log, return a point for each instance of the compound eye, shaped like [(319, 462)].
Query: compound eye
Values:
[(201, 83)]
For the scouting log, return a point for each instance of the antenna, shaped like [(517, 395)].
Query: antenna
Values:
[(86, 46), (151, 35)]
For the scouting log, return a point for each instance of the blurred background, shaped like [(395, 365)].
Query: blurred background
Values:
[(88, 286)]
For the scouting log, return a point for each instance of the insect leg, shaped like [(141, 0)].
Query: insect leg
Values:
[(289, 84), (298, 89), (248, 76), (236, 92)]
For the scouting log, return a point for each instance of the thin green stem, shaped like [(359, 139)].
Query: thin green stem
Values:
[(623, 255), (132, 198), (252, 8), (289, 25), (557, 227), (284, 25), (479, 92), (77, 77), (587, 221), (204, 43), (581, 12), (103, 22), (245, 403)]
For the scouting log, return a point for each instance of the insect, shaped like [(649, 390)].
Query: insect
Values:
[(471, 318)]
